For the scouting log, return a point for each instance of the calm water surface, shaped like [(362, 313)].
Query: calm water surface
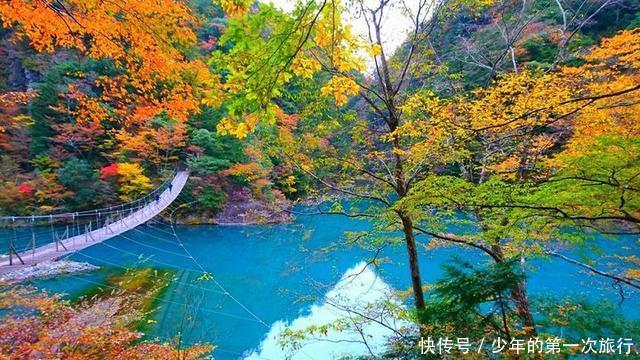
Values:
[(275, 274)]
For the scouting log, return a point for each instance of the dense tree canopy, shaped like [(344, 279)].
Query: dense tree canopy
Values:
[(509, 127)]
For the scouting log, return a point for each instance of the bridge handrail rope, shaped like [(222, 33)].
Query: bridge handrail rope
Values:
[(139, 203), (146, 217), (70, 232)]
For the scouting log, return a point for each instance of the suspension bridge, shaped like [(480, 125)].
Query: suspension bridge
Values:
[(73, 231)]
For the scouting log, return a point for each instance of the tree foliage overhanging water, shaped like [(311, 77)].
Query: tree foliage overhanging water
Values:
[(523, 116)]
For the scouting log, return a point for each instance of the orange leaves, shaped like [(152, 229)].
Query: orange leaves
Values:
[(52, 329), (118, 30), (251, 171), (11, 100), (623, 48), (506, 168), (85, 132), (153, 144), (518, 99), (40, 24), (141, 114), (144, 39), (633, 273), (286, 120), (613, 68)]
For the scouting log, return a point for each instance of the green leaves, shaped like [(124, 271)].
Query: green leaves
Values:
[(205, 165), (78, 176), (211, 199), (469, 299)]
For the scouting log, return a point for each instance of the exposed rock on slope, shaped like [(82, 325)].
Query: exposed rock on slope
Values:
[(242, 208)]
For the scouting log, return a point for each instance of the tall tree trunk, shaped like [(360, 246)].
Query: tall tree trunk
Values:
[(401, 188), (519, 296), (414, 266)]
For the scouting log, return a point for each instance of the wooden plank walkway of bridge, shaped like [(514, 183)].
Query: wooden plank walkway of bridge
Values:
[(56, 250)]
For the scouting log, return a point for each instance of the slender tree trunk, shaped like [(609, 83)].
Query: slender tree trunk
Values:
[(519, 296), (414, 266), (401, 188)]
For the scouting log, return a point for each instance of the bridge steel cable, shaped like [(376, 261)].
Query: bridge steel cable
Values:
[(208, 276), (73, 231)]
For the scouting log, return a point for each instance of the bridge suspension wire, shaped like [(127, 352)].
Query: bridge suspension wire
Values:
[(181, 283), (159, 298), (202, 271), (68, 233), (171, 302), (37, 238), (209, 276)]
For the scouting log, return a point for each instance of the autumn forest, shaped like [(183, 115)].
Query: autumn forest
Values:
[(319, 179)]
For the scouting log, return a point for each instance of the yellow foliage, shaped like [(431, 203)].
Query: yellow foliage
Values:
[(133, 182), (305, 67), (340, 87), (338, 40), (240, 129), (633, 273), (613, 67), (235, 8), (375, 50), (235, 82), (624, 48), (250, 171)]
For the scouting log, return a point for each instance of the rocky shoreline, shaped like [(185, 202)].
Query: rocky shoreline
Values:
[(243, 209), (46, 269)]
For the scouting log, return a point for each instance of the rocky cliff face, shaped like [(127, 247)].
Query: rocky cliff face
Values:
[(15, 76), (243, 208)]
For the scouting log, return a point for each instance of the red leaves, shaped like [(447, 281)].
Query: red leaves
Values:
[(55, 330), (25, 189), (109, 171)]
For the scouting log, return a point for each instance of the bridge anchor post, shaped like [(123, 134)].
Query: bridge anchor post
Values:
[(59, 241), (12, 249), (33, 238)]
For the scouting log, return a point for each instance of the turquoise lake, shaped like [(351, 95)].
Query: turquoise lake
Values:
[(278, 273)]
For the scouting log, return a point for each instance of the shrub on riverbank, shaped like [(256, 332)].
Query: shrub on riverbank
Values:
[(105, 323)]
